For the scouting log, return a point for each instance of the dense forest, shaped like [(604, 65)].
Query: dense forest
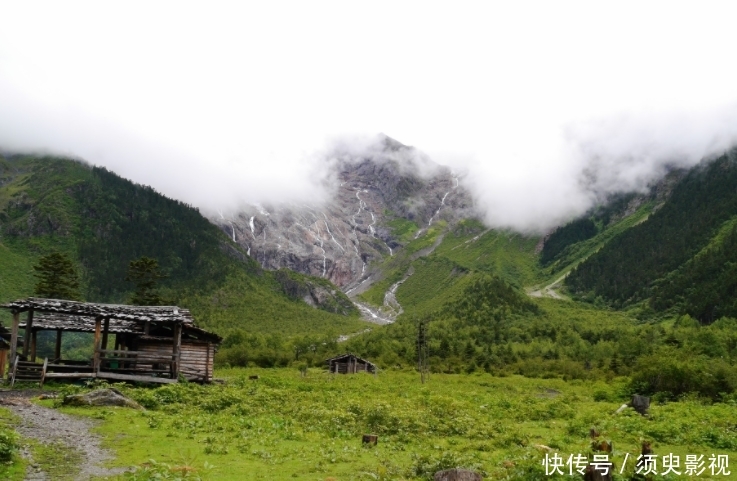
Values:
[(575, 231), (629, 267)]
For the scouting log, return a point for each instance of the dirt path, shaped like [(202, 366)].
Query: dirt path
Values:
[(50, 427), (549, 290)]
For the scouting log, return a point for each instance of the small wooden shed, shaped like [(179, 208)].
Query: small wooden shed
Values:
[(350, 364), (152, 343)]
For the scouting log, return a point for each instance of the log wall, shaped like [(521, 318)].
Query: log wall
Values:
[(197, 360)]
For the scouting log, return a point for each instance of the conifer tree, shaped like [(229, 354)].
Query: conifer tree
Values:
[(57, 277), (145, 274)]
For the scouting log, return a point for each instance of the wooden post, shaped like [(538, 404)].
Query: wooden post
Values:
[(98, 340), (33, 345), (106, 328), (176, 351), (57, 349), (3, 356), (14, 337), (27, 335), (207, 363)]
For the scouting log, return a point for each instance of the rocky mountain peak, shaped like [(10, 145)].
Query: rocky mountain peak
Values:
[(374, 190)]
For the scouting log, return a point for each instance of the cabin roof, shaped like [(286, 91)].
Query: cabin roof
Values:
[(167, 314), (348, 356), (71, 322), (58, 314)]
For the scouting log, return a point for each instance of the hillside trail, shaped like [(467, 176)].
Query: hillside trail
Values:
[(549, 290), (50, 427)]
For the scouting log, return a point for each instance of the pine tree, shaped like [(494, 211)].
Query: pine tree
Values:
[(57, 277), (145, 274)]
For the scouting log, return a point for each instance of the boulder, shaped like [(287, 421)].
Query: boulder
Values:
[(640, 403), (102, 397), (457, 475)]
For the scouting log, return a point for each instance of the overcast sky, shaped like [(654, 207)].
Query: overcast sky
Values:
[(546, 106)]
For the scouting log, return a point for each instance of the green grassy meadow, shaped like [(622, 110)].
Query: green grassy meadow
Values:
[(284, 426)]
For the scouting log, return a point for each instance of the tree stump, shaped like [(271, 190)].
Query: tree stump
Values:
[(370, 439), (593, 474), (640, 404), (457, 475)]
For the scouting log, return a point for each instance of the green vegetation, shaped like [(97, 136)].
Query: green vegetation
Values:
[(12, 466), (571, 233), (284, 426), (57, 460), (57, 277), (402, 229), (492, 328), (103, 222), (626, 270), (705, 287), (145, 274), (508, 373), (574, 254), (465, 248)]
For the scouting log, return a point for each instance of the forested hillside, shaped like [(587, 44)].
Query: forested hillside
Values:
[(676, 256), (104, 221)]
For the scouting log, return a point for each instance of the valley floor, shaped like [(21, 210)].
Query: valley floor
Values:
[(284, 426)]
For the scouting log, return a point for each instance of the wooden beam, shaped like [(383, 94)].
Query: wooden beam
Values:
[(98, 340), (176, 350), (70, 375), (33, 345), (14, 337), (207, 364), (57, 349), (27, 335), (106, 328), (132, 377)]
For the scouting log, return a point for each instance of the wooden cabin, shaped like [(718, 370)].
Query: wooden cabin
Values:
[(151, 343), (349, 364)]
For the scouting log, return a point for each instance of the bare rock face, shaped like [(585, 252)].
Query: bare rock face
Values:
[(340, 238), (102, 397)]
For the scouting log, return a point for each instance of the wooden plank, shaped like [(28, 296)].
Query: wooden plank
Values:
[(98, 340), (207, 364), (14, 338), (57, 349), (105, 329), (15, 367), (176, 350), (69, 375), (142, 360), (33, 346), (131, 377), (117, 352), (43, 373), (27, 335)]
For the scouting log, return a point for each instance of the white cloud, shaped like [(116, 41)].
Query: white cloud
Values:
[(226, 102)]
